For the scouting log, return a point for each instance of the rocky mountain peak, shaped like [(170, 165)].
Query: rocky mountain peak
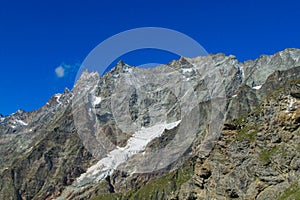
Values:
[(258, 71), (121, 67)]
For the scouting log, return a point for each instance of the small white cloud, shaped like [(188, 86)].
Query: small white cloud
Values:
[(66, 70), (60, 72)]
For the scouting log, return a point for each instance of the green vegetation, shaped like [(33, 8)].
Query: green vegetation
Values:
[(109, 196), (292, 192), (162, 186), (245, 129), (247, 133), (265, 155), (156, 189), (258, 110)]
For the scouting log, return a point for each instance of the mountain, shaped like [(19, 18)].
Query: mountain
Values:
[(196, 128)]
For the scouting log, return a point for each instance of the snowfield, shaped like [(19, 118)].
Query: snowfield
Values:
[(136, 144)]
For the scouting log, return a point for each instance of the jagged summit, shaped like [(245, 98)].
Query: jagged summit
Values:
[(270, 62)]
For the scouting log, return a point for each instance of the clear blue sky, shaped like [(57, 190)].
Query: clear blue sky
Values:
[(38, 36)]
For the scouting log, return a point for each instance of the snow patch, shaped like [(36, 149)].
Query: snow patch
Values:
[(127, 69), (21, 122), (187, 70), (257, 87), (291, 102), (233, 96), (243, 72), (136, 144), (96, 101), (57, 96), (172, 125)]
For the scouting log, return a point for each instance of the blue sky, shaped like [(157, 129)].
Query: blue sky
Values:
[(36, 37)]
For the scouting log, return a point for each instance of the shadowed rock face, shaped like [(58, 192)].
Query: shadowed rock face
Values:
[(255, 156)]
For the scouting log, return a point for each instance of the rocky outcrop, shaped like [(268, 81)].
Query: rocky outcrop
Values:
[(53, 160), (257, 155)]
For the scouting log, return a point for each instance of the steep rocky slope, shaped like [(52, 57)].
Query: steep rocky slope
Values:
[(256, 157), (231, 130)]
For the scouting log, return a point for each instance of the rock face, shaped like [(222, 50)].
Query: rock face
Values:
[(197, 128), (257, 156)]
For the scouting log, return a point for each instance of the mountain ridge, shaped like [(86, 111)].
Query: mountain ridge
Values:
[(121, 63), (50, 137)]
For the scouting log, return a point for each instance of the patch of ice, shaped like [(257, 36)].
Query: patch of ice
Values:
[(291, 102), (136, 144), (97, 100), (172, 125), (257, 87), (57, 96), (185, 70), (21, 122), (243, 72)]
